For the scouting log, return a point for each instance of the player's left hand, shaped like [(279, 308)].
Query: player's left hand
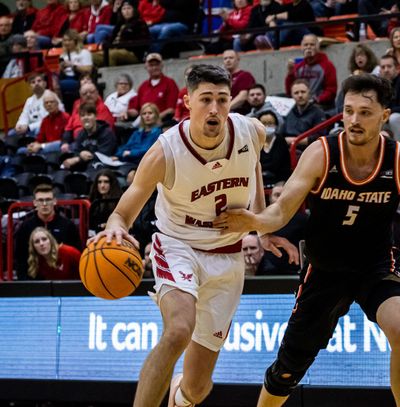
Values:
[(235, 220), (272, 244)]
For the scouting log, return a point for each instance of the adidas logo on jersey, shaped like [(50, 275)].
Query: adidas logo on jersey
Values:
[(218, 334), (244, 149), (333, 169), (216, 165)]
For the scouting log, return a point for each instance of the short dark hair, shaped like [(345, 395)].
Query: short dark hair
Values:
[(301, 81), (258, 86), (43, 188), (366, 82), (392, 57), (87, 108), (207, 73)]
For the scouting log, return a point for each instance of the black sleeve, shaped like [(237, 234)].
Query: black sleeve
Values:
[(21, 252), (72, 237), (107, 142)]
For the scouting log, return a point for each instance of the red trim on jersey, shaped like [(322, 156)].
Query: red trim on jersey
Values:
[(232, 248), (162, 267), (300, 290), (373, 174), (195, 153), (397, 166), (318, 188)]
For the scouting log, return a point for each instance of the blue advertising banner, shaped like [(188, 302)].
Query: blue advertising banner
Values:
[(86, 338)]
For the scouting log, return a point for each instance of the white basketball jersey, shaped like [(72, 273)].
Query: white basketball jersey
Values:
[(202, 190)]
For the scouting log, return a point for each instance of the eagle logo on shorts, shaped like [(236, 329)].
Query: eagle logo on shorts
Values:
[(186, 277)]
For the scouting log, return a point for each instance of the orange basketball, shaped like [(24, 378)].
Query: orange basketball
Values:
[(111, 271)]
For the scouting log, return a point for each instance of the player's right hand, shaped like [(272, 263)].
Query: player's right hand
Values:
[(117, 233)]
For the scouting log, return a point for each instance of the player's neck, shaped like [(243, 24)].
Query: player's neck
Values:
[(206, 142), (366, 153)]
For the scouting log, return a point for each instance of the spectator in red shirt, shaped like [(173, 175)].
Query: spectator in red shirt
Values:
[(49, 260), (181, 111), (52, 128), (88, 94), (77, 18), (151, 11), (100, 16), (241, 81), (48, 22), (158, 89)]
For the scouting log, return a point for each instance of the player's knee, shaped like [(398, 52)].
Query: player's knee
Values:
[(392, 332), (280, 380), (178, 334), (198, 390)]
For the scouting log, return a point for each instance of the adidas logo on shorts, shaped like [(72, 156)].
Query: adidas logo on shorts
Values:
[(218, 334)]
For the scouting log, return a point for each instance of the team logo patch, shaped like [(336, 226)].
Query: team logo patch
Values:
[(386, 174), (244, 149), (186, 277), (218, 334)]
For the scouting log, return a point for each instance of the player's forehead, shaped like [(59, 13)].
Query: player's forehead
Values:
[(360, 100), (212, 89)]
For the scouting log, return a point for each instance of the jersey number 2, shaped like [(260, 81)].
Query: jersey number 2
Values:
[(352, 212), (220, 204)]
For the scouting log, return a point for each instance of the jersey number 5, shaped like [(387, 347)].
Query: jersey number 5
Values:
[(220, 204), (352, 212)]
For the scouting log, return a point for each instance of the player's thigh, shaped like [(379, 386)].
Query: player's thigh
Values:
[(222, 279)]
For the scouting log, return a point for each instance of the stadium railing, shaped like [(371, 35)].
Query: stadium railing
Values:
[(79, 210)]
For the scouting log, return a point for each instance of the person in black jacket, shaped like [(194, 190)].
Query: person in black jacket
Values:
[(96, 136), (23, 17), (63, 229), (389, 69), (130, 27)]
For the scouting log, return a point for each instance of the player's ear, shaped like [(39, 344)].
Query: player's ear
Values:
[(386, 115), (186, 100)]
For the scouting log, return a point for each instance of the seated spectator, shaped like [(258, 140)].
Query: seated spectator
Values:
[(177, 20), (181, 111), (147, 264), (395, 44), (317, 69), (52, 128), (74, 61), (389, 69), (233, 20), (5, 35), (158, 89), (303, 116), (16, 66), (46, 216), (253, 253), (143, 138), (368, 7), (23, 17), (258, 17), (104, 195), (298, 11), (294, 232), (241, 81), (274, 156), (256, 99), (100, 15), (151, 11), (49, 260), (77, 19), (4, 10), (33, 111), (117, 102), (130, 27), (48, 22), (88, 94), (364, 60), (96, 136), (31, 40)]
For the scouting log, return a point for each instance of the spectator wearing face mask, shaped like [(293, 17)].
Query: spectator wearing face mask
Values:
[(274, 156)]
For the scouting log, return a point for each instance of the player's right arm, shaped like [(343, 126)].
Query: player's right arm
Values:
[(151, 170), (307, 176)]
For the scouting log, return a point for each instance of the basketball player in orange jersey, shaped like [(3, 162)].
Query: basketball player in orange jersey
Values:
[(352, 182), (200, 167)]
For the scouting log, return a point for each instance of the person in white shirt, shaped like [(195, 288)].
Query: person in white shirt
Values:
[(118, 101), (74, 61), (33, 112)]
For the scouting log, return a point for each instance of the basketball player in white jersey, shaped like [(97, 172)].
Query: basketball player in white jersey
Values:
[(200, 167)]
